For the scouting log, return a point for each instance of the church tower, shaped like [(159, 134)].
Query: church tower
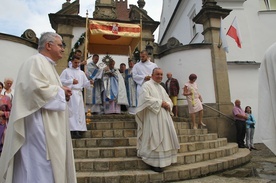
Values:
[(105, 9)]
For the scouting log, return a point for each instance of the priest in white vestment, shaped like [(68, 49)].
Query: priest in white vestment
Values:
[(38, 146), (94, 96), (157, 141), (76, 80), (142, 70), (114, 89), (131, 88), (266, 125)]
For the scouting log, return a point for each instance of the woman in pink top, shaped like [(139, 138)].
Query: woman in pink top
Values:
[(194, 100)]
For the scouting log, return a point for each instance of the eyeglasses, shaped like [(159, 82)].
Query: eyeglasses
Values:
[(59, 45)]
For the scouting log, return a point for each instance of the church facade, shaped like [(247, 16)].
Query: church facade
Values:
[(188, 43), (183, 34)]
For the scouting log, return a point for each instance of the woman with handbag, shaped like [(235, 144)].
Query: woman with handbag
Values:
[(194, 101)]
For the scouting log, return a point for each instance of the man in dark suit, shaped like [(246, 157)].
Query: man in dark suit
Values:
[(172, 88)]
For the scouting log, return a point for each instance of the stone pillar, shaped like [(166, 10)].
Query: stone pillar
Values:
[(66, 31), (209, 17)]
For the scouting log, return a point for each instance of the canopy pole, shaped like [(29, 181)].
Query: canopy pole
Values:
[(130, 52), (86, 35), (85, 51), (141, 34)]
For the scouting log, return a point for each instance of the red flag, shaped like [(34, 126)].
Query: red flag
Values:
[(234, 32)]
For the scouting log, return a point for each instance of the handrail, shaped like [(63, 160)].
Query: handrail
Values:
[(218, 112)]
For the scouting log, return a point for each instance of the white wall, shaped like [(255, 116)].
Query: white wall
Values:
[(186, 62), (257, 28), (243, 80), (167, 11), (180, 25), (12, 56)]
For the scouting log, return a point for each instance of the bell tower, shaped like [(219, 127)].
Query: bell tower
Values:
[(105, 9)]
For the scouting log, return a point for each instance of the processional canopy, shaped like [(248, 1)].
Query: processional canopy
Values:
[(113, 37)]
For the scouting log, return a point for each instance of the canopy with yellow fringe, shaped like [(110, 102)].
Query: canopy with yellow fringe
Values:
[(113, 37)]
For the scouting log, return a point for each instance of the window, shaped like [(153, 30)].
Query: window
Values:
[(268, 4), (192, 23)]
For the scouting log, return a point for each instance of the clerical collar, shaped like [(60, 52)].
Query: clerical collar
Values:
[(154, 82), (50, 60)]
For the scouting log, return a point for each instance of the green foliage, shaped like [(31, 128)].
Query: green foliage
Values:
[(80, 41)]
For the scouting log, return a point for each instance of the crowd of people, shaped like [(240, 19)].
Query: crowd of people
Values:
[(37, 142)]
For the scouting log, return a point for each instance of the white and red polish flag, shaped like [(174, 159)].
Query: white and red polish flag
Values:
[(234, 32)]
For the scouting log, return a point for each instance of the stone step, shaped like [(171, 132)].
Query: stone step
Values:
[(134, 163), (104, 142), (131, 124), (115, 141), (133, 133), (104, 133), (195, 138), (110, 133), (112, 125), (171, 173), (201, 145), (191, 131), (122, 117), (130, 151)]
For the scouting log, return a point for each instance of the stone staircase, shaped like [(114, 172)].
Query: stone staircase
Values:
[(107, 154)]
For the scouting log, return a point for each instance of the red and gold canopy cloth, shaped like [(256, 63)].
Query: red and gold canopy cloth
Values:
[(112, 37)]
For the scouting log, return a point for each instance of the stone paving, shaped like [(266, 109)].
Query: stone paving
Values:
[(261, 169)]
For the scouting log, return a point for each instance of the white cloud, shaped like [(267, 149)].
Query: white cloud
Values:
[(18, 15)]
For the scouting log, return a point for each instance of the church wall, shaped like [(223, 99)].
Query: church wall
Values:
[(168, 9), (243, 80), (77, 32), (185, 62), (12, 56), (181, 26), (257, 29)]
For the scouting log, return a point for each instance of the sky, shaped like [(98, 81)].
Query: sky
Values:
[(16, 16)]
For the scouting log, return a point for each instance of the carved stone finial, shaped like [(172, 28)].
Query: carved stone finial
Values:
[(208, 3), (173, 42), (67, 3), (141, 3), (30, 35)]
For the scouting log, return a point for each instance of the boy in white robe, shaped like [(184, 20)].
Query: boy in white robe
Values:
[(157, 141), (76, 79)]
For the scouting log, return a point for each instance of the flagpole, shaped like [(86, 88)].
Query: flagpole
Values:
[(219, 42)]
